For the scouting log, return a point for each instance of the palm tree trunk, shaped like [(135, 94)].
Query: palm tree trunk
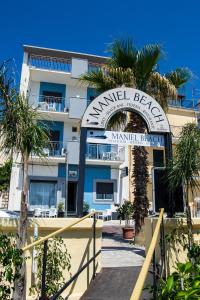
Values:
[(20, 284), (189, 218), (139, 174)]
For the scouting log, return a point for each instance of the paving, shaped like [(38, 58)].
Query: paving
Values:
[(121, 264)]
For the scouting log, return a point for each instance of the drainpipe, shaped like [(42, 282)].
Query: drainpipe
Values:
[(66, 184)]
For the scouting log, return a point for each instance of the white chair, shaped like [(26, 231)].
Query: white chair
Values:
[(52, 212), (52, 106), (37, 212)]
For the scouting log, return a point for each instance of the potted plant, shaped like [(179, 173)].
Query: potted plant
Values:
[(125, 212), (61, 210), (85, 208)]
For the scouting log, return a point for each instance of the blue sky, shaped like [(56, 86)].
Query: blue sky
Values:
[(88, 26)]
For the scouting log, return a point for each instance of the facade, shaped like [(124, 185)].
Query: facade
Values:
[(50, 81)]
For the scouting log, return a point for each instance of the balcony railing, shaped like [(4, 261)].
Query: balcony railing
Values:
[(51, 103), (50, 63), (105, 152), (53, 149), (186, 104)]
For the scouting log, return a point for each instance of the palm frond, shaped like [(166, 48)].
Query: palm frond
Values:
[(118, 121), (123, 54), (179, 77), (147, 60), (109, 78), (161, 89), (185, 165)]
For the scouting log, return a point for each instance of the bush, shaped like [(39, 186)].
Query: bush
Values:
[(10, 261), (58, 260)]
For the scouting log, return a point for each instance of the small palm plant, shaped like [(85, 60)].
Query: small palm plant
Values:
[(184, 168)]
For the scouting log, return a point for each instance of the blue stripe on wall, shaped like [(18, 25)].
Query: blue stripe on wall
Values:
[(91, 173), (52, 87)]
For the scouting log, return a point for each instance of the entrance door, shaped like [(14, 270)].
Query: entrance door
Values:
[(161, 191), (72, 193)]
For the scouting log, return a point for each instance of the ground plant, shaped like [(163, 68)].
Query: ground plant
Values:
[(125, 212), (10, 261), (58, 262), (184, 282)]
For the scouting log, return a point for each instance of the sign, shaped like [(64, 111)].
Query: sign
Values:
[(124, 172), (102, 108), (125, 138)]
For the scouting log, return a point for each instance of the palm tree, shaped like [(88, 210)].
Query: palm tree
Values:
[(184, 168), (141, 69), (21, 134)]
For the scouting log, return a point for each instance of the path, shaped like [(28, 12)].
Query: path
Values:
[(121, 264)]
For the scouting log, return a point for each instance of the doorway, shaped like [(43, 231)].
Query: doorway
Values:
[(161, 192), (71, 196)]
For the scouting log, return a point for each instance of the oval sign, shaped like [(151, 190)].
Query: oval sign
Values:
[(102, 108)]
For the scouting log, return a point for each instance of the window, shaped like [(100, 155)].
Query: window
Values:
[(158, 158), (74, 129), (43, 193), (104, 191)]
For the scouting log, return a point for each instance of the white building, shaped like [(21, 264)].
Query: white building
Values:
[(50, 80)]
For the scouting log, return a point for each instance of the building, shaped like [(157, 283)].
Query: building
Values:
[(50, 81)]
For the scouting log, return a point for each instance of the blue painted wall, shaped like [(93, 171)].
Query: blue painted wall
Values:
[(92, 92), (91, 173), (53, 87), (55, 125)]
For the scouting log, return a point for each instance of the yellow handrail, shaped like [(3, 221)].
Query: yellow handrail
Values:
[(41, 240), (143, 273)]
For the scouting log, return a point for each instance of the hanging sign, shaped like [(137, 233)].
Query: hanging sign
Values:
[(125, 138)]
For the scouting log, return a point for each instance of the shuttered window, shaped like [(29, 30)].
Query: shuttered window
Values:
[(104, 191)]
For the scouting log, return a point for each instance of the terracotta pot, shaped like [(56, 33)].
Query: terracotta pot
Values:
[(128, 233)]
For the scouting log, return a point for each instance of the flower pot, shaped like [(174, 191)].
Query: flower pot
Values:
[(128, 233), (61, 214)]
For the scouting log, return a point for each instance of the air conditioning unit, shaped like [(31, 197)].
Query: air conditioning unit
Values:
[(63, 152), (73, 173)]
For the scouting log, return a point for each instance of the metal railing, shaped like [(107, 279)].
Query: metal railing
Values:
[(50, 63), (151, 256), (185, 103), (105, 152), (53, 149), (44, 241), (51, 103)]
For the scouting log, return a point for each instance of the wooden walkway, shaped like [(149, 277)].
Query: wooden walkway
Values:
[(121, 264)]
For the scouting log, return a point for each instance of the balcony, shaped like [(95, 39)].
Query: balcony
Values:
[(52, 103), (62, 64), (50, 63), (191, 104), (73, 107), (54, 151), (107, 153)]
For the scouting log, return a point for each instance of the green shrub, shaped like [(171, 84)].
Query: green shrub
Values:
[(58, 260), (10, 261)]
